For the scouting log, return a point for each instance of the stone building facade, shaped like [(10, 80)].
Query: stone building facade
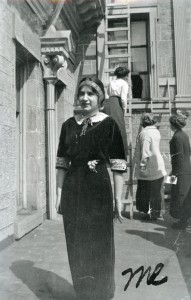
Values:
[(45, 48), (161, 29)]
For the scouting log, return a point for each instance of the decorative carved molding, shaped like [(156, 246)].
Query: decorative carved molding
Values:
[(101, 6), (51, 64), (56, 13), (70, 17), (56, 49), (91, 11), (26, 37), (38, 10)]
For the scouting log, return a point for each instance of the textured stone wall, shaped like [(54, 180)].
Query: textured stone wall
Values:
[(188, 36), (165, 44), (27, 15), (86, 56), (35, 122), (65, 95), (7, 124), (35, 138)]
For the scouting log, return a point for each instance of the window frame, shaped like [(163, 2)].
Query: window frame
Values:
[(152, 49)]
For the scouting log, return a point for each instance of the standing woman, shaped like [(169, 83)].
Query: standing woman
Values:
[(87, 142), (116, 105), (180, 205), (150, 169)]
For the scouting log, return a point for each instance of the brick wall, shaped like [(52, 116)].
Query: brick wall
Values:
[(165, 44), (188, 36)]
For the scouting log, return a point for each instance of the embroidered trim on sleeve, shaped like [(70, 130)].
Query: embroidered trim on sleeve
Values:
[(175, 154), (118, 164), (62, 162)]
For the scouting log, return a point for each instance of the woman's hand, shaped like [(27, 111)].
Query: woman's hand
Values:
[(58, 198), (143, 164), (118, 189), (173, 178), (117, 211), (92, 165), (60, 175)]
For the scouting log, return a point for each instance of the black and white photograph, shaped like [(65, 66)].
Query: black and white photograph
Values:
[(95, 149)]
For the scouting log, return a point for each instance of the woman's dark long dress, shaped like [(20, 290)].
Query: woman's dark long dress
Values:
[(180, 206), (87, 204), (113, 108)]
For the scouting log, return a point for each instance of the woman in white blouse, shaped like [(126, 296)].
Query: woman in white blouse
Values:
[(116, 105), (150, 169)]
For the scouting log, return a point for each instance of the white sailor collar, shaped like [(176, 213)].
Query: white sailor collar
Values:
[(100, 116)]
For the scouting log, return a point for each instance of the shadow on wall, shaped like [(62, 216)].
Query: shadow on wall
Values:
[(44, 284)]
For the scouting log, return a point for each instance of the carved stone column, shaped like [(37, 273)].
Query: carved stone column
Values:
[(51, 142), (54, 57)]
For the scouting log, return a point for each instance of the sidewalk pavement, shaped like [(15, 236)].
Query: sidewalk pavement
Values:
[(36, 267)]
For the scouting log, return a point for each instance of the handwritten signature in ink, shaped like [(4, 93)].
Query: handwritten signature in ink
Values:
[(151, 278)]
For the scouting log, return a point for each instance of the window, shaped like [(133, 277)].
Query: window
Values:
[(140, 56)]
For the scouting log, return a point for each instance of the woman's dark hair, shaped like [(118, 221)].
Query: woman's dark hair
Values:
[(121, 72), (97, 87), (178, 121), (93, 80), (148, 120)]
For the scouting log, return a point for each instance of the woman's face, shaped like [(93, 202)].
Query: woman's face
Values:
[(88, 99)]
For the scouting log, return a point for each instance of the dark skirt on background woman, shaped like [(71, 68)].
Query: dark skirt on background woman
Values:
[(180, 204), (114, 109), (149, 196)]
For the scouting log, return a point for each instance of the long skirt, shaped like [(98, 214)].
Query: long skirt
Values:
[(113, 108), (149, 196), (180, 204), (87, 206)]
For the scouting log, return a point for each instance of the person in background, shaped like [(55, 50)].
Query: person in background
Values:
[(150, 169), (180, 205), (116, 105), (137, 85), (84, 195)]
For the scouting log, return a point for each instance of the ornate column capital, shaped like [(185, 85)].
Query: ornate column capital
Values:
[(56, 49), (52, 63)]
